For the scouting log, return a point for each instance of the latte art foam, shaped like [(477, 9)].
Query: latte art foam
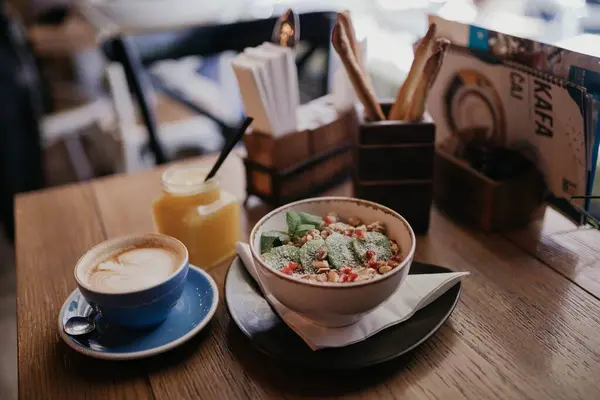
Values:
[(134, 269)]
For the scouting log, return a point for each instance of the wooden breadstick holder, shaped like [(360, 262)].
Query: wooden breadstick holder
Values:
[(473, 198), (393, 166), (300, 164)]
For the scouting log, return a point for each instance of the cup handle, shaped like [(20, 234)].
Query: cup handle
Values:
[(96, 313)]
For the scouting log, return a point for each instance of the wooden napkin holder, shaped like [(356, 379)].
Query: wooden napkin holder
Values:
[(393, 166), (468, 195), (299, 164)]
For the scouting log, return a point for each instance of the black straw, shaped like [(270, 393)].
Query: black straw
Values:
[(228, 147)]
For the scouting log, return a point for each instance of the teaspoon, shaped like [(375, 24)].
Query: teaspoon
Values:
[(287, 30), (77, 326)]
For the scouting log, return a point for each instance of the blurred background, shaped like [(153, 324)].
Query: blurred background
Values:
[(97, 87)]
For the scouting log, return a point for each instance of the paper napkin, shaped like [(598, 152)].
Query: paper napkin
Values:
[(250, 78), (291, 72), (316, 113), (276, 67), (417, 292), (268, 82)]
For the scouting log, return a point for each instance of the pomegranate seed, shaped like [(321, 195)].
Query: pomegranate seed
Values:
[(346, 270), (369, 254), (348, 232), (360, 234), (328, 220), (287, 270), (343, 277), (293, 266), (372, 264), (352, 276)]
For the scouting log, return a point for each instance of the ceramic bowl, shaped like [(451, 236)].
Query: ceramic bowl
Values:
[(335, 304)]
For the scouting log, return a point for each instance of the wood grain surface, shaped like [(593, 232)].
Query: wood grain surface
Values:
[(55, 228), (573, 252), (526, 327)]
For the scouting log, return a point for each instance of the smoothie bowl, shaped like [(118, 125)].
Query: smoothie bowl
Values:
[(332, 259)]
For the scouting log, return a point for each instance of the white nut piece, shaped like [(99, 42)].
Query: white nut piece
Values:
[(322, 278), (321, 270), (354, 221), (315, 233), (332, 276), (365, 272), (332, 217), (321, 253), (376, 226), (384, 269), (320, 264)]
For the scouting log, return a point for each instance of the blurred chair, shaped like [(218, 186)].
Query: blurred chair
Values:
[(69, 125), (176, 134), (137, 53)]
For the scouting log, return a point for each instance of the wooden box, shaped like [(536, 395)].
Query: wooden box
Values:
[(300, 164), (278, 153), (471, 197), (393, 166)]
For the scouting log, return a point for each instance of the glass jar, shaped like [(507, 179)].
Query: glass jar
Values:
[(200, 214)]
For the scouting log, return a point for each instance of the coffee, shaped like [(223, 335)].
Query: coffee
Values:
[(133, 268)]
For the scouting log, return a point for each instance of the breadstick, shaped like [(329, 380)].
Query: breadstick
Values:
[(430, 71), (400, 107), (346, 21), (341, 44)]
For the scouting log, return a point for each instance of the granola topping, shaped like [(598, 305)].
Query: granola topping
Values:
[(332, 249)]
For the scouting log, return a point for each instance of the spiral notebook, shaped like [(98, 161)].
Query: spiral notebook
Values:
[(546, 117)]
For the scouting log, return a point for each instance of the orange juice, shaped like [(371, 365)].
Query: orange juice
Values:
[(204, 217)]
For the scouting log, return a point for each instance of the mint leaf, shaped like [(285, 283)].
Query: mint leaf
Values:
[(281, 256), (311, 219), (271, 239), (293, 221), (303, 229), (339, 251), (308, 254), (375, 241)]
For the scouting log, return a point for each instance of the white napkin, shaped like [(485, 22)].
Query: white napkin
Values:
[(268, 82), (417, 292), (250, 78), (316, 113)]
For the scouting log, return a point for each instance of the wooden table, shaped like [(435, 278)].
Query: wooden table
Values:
[(527, 326)]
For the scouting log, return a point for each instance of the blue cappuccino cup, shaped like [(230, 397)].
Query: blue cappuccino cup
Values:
[(134, 281)]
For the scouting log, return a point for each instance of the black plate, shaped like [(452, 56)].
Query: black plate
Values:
[(255, 317)]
